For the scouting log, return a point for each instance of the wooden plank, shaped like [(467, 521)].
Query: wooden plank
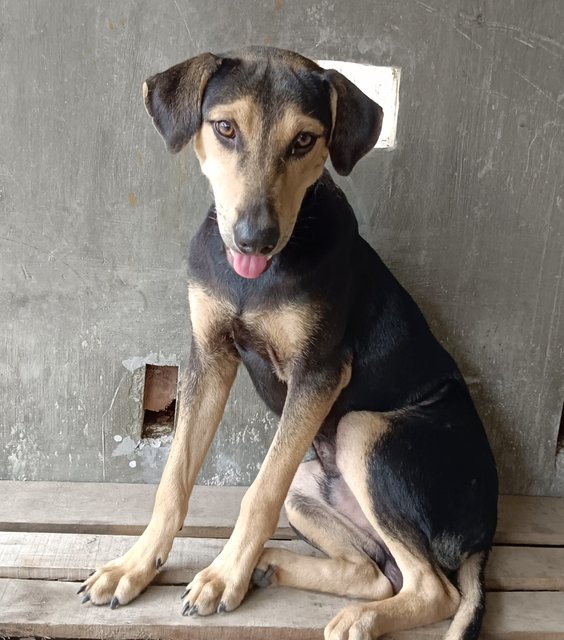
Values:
[(68, 557), (116, 508), (84, 507), (31, 607), (530, 520), (526, 569)]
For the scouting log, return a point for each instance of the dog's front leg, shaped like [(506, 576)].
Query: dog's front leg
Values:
[(223, 585), (203, 395)]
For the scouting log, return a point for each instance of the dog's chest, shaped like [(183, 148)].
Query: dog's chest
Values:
[(280, 335)]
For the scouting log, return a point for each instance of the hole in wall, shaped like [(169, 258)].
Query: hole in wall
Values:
[(560, 438), (159, 400)]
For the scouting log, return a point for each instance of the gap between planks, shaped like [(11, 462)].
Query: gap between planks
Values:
[(80, 507)]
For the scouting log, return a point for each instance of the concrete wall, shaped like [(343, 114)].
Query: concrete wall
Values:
[(468, 210)]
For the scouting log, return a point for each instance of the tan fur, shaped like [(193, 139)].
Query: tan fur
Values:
[(230, 573), (210, 316), (285, 331), (230, 186), (352, 578), (426, 596), (334, 99), (348, 571), (202, 399), (469, 584), (263, 176)]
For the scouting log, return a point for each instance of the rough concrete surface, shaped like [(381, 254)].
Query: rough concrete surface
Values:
[(95, 216)]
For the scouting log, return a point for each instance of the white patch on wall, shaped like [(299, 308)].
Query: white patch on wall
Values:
[(379, 83)]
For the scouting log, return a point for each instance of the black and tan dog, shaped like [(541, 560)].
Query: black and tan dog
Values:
[(402, 494)]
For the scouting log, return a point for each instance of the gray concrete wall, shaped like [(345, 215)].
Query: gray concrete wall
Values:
[(95, 216)]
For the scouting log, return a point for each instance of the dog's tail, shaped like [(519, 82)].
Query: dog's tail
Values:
[(467, 620)]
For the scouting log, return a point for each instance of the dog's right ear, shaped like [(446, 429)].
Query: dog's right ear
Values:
[(173, 98)]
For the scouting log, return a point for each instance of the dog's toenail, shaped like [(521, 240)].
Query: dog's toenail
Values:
[(85, 599), (114, 604), (185, 608), (222, 608), (83, 588), (193, 610), (185, 593), (159, 564)]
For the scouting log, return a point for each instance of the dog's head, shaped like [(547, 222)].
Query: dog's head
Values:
[(264, 122)]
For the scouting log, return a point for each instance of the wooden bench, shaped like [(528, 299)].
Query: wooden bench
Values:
[(53, 534)]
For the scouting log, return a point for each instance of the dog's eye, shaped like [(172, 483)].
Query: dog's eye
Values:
[(225, 128), (303, 143)]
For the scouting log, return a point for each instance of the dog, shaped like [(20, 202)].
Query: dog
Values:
[(401, 495)]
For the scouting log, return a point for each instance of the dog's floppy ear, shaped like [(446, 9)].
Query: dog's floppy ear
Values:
[(173, 98), (357, 123)]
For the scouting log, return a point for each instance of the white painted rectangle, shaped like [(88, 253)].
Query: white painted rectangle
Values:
[(381, 84)]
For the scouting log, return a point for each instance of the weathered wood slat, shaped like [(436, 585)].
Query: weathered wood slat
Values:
[(122, 509), (530, 520), (51, 608), (125, 509), (526, 569), (68, 557)]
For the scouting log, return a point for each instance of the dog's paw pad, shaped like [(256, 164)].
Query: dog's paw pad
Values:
[(263, 577)]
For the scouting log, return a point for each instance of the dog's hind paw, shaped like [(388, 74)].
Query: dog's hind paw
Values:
[(263, 577), (355, 622)]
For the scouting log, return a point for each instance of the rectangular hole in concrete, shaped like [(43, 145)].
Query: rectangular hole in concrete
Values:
[(159, 400)]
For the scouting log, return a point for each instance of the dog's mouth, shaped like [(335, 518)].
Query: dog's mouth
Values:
[(247, 265)]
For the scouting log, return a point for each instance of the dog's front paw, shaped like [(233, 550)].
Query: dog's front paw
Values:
[(121, 580), (356, 622), (215, 589)]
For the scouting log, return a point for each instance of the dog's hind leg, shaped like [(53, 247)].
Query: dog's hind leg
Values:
[(426, 596), (350, 570)]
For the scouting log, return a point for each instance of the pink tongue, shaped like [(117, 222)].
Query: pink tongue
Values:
[(249, 266)]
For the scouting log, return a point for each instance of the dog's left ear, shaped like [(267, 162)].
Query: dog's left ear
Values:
[(357, 123), (173, 98)]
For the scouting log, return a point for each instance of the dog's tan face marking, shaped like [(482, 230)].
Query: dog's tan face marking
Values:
[(259, 165)]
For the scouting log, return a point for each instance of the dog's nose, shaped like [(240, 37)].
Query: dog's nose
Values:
[(252, 238)]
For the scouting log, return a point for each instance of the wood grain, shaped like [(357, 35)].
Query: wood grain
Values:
[(90, 507), (82, 507), (71, 557), (52, 609)]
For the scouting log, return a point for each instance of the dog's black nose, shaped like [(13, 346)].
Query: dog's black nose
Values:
[(252, 238)]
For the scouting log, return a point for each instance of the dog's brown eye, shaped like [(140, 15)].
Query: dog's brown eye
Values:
[(303, 143), (225, 128)]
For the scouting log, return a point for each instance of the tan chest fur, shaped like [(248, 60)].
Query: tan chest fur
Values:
[(284, 333), (281, 334)]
